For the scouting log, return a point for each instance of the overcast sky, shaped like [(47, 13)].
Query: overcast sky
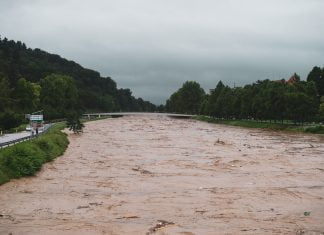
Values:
[(153, 46)]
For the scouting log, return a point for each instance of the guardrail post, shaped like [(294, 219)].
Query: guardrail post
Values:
[(13, 142)]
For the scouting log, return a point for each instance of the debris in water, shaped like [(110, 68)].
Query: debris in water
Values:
[(306, 213), (7, 217), (95, 203), (219, 142), (201, 211), (141, 170), (300, 232), (82, 207), (26, 191), (128, 217), (161, 224)]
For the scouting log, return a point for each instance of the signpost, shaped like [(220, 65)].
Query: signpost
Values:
[(36, 121), (37, 118)]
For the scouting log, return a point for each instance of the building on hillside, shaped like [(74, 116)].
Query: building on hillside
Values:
[(292, 80)]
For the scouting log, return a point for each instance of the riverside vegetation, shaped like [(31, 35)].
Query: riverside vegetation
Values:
[(315, 129), (26, 158), (277, 104)]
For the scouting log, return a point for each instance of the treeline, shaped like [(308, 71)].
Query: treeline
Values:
[(277, 100), (32, 79)]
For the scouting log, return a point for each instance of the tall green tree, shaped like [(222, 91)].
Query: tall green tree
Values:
[(73, 122), (300, 107), (59, 96), (321, 109), (5, 94), (27, 95), (192, 96), (187, 99), (317, 76), (213, 110), (9, 118)]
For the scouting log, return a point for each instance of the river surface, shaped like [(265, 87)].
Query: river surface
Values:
[(157, 175)]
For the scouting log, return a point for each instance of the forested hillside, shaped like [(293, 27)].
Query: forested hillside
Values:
[(32, 79), (277, 100)]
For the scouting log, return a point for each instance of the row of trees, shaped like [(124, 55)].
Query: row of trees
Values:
[(279, 100), (32, 79)]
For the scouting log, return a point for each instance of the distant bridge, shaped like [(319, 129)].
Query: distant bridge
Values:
[(121, 114)]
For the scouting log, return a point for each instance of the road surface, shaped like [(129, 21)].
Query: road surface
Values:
[(14, 136)]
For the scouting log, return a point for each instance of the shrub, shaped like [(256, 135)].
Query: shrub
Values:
[(25, 159), (315, 129)]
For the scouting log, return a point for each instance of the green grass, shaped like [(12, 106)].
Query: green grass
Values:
[(264, 125), (25, 159), (315, 129)]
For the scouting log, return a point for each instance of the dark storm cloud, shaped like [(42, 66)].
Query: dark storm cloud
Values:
[(152, 47)]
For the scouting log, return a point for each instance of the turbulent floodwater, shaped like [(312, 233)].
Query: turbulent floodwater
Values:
[(157, 175)]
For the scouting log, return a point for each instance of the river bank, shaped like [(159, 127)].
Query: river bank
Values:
[(26, 158), (314, 129)]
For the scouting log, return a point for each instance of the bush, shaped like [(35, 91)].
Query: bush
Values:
[(315, 130), (22, 160), (25, 159)]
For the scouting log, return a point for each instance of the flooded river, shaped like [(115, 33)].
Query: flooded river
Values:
[(157, 175)]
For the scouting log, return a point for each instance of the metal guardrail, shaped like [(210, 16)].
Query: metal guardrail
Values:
[(120, 114), (26, 138)]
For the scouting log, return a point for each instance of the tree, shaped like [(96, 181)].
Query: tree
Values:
[(173, 104), (275, 101), (5, 93), (187, 99), (192, 96), (225, 103), (317, 76), (59, 96), (247, 96), (211, 106), (204, 105), (321, 109), (73, 122), (10, 119), (300, 107), (27, 95)]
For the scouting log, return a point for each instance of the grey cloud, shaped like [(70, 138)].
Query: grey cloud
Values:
[(152, 47)]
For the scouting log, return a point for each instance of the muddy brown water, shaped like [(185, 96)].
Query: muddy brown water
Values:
[(157, 175)]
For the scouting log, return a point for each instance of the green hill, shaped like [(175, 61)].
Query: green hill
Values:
[(22, 70)]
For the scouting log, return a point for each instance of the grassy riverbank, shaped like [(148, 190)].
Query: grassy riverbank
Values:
[(264, 125), (25, 159)]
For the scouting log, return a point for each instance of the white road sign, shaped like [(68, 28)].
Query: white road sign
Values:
[(36, 117)]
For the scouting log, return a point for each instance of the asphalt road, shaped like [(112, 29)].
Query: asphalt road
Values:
[(18, 135)]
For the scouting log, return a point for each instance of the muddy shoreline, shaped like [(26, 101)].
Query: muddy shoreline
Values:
[(157, 175)]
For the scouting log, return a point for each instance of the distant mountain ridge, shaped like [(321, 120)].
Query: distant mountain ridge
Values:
[(96, 93)]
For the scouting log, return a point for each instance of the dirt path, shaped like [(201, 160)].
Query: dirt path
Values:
[(156, 175)]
